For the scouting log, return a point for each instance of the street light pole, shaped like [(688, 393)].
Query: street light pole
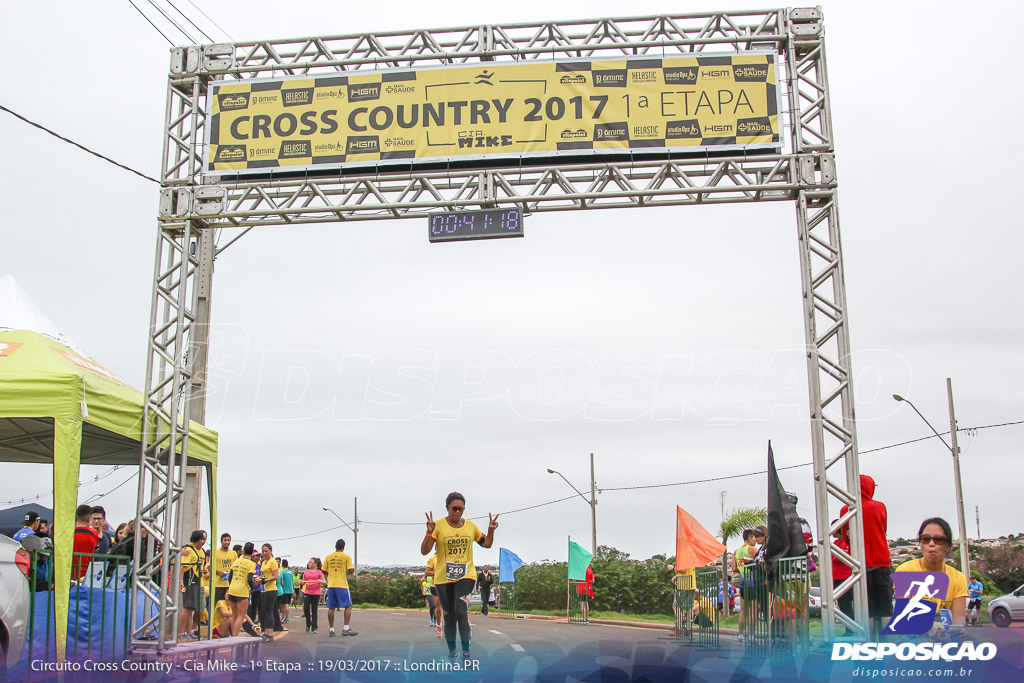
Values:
[(592, 502), (355, 535), (354, 530), (965, 560), (593, 508)]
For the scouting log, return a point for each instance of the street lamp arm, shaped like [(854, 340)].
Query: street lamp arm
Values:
[(339, 519), (907, 400), (585, 499)]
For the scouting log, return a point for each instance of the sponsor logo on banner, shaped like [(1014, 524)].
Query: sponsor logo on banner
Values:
[(399, 89), (644, 76), (715, 73), (399, 142), (750, 73), (646, 132), (573, 134), (612, 78), (233, 101), (718, 129), (686, 75), (293, 149), (363, 144), (689, 128), (297, 97), (759, 126), (360, 92), (611, 131), (227, 153), (572, 79)]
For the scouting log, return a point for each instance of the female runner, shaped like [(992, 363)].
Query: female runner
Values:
[(455, 574)]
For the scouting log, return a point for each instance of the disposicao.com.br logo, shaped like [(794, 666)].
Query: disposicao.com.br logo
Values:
[(913, 614), (921, 652)]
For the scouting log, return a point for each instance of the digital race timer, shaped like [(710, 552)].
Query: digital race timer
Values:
[(469, 225)]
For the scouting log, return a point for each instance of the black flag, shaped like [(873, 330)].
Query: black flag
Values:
[(785, 534)]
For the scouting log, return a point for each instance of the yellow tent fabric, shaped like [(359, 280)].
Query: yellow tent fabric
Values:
[(57, 406)]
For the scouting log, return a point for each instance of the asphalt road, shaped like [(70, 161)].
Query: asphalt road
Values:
[(396, 645), (399, 645)]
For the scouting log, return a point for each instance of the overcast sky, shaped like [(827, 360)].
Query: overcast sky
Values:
[(677, 331)]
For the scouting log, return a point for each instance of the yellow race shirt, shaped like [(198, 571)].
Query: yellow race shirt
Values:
[(192, 562), (217, 618), (957, 582), (337, 565), (686, 579), (241, 569), (222, 561), (455, 551), (268, 568)]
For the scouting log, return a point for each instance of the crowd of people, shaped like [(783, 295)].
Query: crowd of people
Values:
[(242, 588)]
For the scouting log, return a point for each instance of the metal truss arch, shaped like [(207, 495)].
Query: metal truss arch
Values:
[(192, 208)]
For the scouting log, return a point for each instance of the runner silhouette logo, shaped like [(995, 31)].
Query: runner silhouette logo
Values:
[(917, 598)]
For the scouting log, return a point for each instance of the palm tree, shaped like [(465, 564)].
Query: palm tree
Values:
[(733, 525)]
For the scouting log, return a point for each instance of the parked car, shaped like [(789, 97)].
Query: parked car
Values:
[(814, 605), (14, 599), (1007, 608)]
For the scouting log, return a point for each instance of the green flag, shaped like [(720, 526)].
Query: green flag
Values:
[(579, 560)]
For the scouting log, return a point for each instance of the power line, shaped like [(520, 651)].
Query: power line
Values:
[(79, 146), (149, 21), (38, 496), (189, 20), (173, 23), (663, 485), (104, 495), (212, 21)]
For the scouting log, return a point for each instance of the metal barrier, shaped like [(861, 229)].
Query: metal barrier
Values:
[(98, 599), (706, 614), (577, 610), (775, 613), (683, 602), (505, 600)]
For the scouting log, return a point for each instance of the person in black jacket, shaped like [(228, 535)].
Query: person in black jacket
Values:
[(483, 582)]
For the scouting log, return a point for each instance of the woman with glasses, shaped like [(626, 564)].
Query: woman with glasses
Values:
[(936, 540), (455, 574)]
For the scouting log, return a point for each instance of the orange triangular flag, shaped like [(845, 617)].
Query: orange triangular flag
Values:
[(695, 546)]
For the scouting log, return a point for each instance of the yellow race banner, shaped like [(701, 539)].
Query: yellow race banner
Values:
[(500, 110)]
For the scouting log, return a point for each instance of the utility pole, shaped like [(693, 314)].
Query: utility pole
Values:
[(977, 521), (355, 535), (965, 560), (593, 508)]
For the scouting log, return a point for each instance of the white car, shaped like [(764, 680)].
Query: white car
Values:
[(14, 599), (814, 602), (1007, 608)]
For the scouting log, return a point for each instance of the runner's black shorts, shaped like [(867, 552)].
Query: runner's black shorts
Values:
[(880, 592), (974, 604)]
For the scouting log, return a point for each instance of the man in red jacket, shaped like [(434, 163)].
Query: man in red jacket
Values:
[(876, 554)]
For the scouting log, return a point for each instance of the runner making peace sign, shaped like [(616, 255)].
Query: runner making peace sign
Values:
[(455, 573)]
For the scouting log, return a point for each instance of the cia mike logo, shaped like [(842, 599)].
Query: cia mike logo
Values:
[(914, 611)]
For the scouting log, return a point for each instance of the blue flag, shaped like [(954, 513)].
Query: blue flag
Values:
[(508, 563)]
